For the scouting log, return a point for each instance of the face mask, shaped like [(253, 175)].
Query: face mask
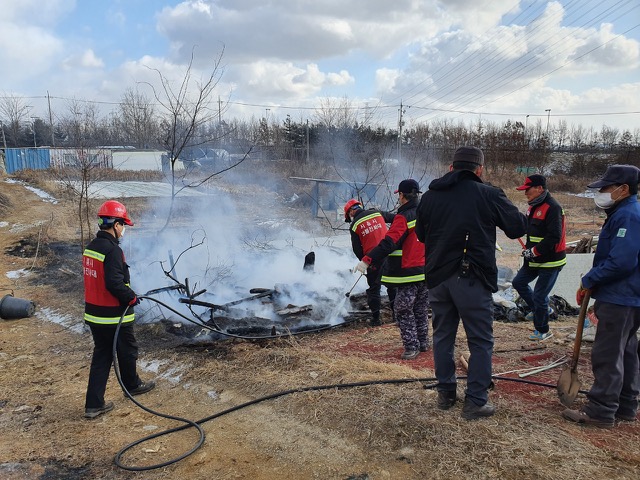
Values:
[(604, 200), (122, 231)]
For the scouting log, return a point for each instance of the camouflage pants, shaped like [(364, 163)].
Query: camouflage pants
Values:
[(411, 306)]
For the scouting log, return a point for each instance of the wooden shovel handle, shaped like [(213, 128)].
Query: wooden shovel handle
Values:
[(579, 330)]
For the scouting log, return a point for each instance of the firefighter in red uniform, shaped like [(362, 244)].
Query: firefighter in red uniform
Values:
[(107, 294), (544, 253), (405, 270), (368, 228)]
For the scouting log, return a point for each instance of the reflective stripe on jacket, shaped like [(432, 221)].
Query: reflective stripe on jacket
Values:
[(367, 229), (546, 233), (106, 282), (404, 253)]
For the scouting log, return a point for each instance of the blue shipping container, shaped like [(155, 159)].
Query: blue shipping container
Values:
[(27, 158)]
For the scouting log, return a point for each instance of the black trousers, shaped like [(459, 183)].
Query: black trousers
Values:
[(614, 361), (374, 275), (470, 301), (127, 351)]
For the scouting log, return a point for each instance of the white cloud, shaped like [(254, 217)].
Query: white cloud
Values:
[(278, 80), (452, 54), (386, 79), (603, 48), (34, 54), (508, 64), (89, 60), (305, 30), (86, 59)]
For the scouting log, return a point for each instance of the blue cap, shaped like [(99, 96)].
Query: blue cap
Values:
[(618, 175)]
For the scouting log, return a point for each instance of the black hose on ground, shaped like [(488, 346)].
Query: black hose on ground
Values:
[(188, 423), (428, 383)]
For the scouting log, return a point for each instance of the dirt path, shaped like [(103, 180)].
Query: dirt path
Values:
[(378, 432)]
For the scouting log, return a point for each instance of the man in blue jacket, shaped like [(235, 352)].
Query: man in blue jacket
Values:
[(614, 281)]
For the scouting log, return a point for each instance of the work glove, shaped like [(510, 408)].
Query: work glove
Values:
[(580, 294), (529, 253), (361, 267), (134, 301)]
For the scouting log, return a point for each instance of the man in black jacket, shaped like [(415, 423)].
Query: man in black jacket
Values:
[(107, 295), (457, 220), (544, 253)]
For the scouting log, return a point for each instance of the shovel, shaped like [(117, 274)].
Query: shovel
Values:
[(569, 383)]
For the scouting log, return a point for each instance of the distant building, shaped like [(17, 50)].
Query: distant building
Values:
[(118, 158)]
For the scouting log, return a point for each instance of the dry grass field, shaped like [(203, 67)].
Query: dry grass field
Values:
[(385, 427)]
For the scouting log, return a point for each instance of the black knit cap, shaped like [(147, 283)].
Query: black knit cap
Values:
[(469, 155)]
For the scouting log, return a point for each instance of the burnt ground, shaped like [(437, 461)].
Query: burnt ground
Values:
[(389, 429)]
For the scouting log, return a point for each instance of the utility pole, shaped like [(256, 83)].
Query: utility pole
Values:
[(307, 140), (4, 139), (53, 137), (33, 127), (400, 132), (548, 110)]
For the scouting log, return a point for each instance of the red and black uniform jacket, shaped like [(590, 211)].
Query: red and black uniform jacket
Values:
[(546, 234), (106, 282), (367, 229), (404, 253)]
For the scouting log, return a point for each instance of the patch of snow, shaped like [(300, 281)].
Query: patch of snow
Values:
[(590, 193), (41, 193), (69, 322), (18, 273), (270, 223), (21, 227), (136, 189), (4, 224), (173, 374), (152, 366)]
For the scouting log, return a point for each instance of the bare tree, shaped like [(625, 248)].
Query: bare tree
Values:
[(336, 113), (186, 109), (136, 119), (14, 113), (609, 137), (82, 168)]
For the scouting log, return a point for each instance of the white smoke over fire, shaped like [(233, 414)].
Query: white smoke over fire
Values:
[(227, 252)]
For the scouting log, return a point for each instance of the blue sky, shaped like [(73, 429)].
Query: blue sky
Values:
[(453, 60)]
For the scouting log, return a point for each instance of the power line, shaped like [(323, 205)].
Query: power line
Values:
[(489, 63)]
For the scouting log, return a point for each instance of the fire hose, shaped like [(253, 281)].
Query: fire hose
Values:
[(428, 383)]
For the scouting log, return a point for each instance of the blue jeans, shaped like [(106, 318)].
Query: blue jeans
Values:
[(538, 298)]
